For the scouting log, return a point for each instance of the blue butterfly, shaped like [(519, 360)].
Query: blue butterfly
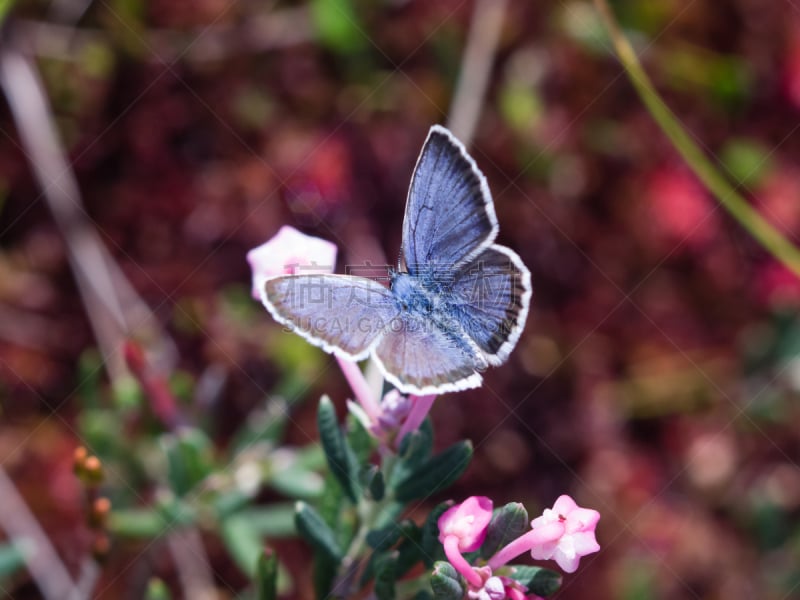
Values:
[(456, 304)]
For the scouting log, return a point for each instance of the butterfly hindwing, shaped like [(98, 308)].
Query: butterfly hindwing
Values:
[(490, 298), (449, 215), (420, 357), (341, 314)]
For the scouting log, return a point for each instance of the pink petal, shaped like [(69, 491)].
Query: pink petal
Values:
[(544, 551), (568, 564), (582, 519), (585, 543), (564, 505), (290, 251), (467, 521)]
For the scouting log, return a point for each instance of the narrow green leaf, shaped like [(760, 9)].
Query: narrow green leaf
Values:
[(189, 458), (267, 576), (507, 524), (387, 536), (372, 481), (271, 521), (324, 574), (359, 439), (436, 474), (297, 483), (538, 580), (409, 551), (245, 545), (431, 547), (341, 460), (446, 583), (385, 576), (227, 503), (414, 450), (137, 522), (316, 532)]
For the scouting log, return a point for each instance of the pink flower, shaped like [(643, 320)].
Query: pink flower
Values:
[(290, 252), (577, 537), (563, 533), (462, 528), (492, 589)]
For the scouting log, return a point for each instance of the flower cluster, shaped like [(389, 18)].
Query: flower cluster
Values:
[(563, 533)]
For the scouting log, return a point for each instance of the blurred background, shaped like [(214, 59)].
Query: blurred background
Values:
[(148, 144)]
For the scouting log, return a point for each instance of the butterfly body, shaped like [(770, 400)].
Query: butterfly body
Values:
[(456, 304)]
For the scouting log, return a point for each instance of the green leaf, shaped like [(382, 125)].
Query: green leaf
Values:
[(316, 532), (271, 521), (267, 576), (324, 574), (298, 483), (387, 536), (337, 25), (385, 575), (189, 458), (436, 474), (414, 450), (446, 582), (359, 439), (507, 524), (137, 522), (431, 547), (176, 512), (410, 551), (372, 481), (157, 590), (341, 460), (12, 557), (244, 544), (539, 581)]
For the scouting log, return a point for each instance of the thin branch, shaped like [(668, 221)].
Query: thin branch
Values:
[(114, 308), (749, 218), (191, 562), (44, 565), (476, 66), (257, 33)]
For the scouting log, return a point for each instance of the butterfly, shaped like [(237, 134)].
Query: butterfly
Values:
[(456, 303)]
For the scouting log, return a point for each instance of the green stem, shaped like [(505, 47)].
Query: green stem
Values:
[(368, 512), (769, 237)]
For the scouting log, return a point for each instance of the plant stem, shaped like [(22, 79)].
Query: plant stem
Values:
[(368, 513), (749, 218)]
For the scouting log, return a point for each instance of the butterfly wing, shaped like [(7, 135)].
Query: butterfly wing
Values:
[(341, 314), (421, 357), (449, 216), (490, 299)]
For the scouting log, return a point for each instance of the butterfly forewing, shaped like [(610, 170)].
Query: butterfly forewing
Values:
[(449, 212), (342, 314)]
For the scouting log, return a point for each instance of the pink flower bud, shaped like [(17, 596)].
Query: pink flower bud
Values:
[(462, 528), (467, 522)]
